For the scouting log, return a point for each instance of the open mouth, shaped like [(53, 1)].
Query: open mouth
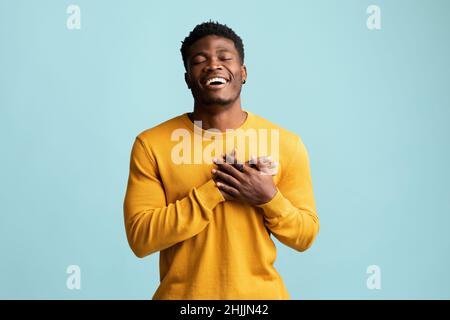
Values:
[(216, 83)]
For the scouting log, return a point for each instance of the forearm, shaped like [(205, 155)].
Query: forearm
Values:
[(293, 226), (150, 229)]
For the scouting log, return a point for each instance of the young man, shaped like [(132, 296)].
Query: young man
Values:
[(212, 219)]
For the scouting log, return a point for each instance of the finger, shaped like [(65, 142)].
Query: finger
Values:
[(225, 195), (270, 168), (231, 170), (228, 196), (257, 162), (239, 166), (250, 169), (217, 161), (228, 158), (254, 159), (228, 179), (267, 165), (265, 159), (262, 162), (251, 163), (228, 189), (232, 158), (273, 164), (248, 164)]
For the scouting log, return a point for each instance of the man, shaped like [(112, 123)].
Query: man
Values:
[(212, 219)]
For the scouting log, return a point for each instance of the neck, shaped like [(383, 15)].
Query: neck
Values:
[(219, 116)]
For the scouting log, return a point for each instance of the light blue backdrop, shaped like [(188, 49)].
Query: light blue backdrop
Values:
[(372, 107)]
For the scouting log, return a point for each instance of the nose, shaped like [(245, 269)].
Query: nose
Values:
[(213, 64)]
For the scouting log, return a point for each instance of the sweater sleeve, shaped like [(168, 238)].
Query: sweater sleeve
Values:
[(152, 224), (291, 214)]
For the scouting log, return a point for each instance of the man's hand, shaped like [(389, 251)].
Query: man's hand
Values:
[(243, 183)]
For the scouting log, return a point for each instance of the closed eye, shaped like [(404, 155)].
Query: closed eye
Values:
[(197, 62)]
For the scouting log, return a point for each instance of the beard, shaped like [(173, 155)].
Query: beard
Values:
[(208, 101), (217, 101)]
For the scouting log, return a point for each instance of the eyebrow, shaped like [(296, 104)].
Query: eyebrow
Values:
[(222, 49), (203, 53)]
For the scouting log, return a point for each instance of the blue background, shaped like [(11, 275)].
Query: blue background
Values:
[(372, 107)]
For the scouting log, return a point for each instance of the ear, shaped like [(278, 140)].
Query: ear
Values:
[(187, 80), (244, 72)]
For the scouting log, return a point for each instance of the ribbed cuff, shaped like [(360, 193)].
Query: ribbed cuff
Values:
[(210, 196), (276, 206)]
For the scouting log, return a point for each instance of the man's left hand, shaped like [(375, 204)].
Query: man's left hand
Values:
[(246, 185)]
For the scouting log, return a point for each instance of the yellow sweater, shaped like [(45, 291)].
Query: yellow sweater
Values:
[(211, 248)]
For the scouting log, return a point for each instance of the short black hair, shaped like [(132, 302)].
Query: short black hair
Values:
[(211, 28)]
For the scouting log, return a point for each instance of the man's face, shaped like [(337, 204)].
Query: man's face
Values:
[(214, 71)]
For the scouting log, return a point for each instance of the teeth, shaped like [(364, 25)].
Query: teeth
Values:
[(221, 80)]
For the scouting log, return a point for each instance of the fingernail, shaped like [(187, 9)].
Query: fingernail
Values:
[(213, 170)]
